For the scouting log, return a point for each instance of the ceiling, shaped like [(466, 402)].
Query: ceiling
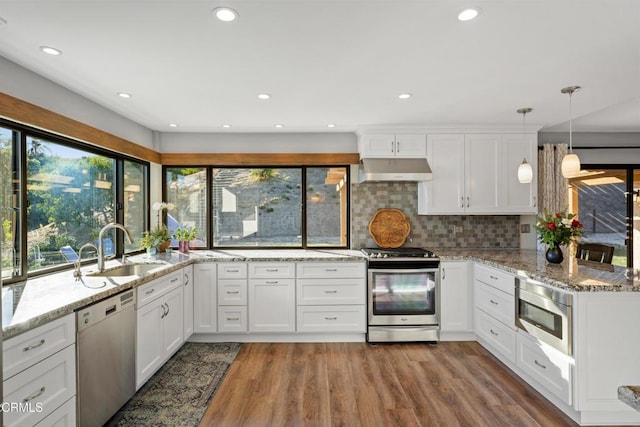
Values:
[(340, 62)]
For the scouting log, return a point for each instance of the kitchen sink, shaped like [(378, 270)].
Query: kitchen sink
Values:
[(128, 270)]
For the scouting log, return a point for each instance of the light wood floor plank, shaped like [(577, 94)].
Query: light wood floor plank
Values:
[(355, 384)]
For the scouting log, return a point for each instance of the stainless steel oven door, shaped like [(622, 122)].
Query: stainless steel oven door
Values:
[(403, 296), (545, 314)]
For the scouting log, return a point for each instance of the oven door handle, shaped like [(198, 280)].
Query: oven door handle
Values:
[(403, 270)]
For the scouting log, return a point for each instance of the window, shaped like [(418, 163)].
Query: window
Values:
[(55, 196), (279, 207), (186, 188)]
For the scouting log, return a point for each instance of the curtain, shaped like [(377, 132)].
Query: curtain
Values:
[(552, 186)]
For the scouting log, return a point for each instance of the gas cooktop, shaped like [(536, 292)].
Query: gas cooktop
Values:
[(399, 253)]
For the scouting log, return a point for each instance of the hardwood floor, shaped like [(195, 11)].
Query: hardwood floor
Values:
[(355, 384)]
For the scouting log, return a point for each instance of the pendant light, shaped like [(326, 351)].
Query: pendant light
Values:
[(570, 162), (525, 172)]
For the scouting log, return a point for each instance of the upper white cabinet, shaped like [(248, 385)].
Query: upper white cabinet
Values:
[(393, 145), (477, 174)]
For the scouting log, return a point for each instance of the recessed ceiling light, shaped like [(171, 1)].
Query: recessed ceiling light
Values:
[(124, 95), (50, 50), (331, 125), (225, 14), (468, 14), (173, 125), (264, 96), (405, 96), (279, 126), (226, 126)]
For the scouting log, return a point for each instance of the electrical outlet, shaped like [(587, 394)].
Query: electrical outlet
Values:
[(525, 228), (457, 229)]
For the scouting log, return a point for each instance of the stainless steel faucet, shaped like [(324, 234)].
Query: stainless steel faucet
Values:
[(78, 273), (101, 241)]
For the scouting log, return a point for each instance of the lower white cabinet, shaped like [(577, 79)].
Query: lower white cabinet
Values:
[(159, 327), (232, 318), (187, 310), (337, 318), (456, 300), (546, 365), (272, 305), (39, 368), (232, 297), (205, 296), (64, 416)]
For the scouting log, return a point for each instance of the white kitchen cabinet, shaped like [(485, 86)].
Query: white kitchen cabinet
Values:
[(188, 301), (382, 145), (205, 298), (232, 297), (494, 313), (272, 303), (456, 302), (477, 174), (64, 416), (160, 329)]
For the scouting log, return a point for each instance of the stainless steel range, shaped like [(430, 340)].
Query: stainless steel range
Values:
[(403, 295)]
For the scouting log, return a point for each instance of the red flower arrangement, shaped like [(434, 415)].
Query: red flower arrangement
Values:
[(558, 229)]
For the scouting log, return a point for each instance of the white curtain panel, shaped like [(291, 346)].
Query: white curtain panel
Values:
[(552, 186)]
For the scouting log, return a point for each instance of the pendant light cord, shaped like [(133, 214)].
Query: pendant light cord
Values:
[(570, 123)]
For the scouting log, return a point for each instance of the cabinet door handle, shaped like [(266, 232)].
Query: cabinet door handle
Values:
[(174, 280), (186, 282), (149, 292), (330, 292), (539, 364), (330, 318), (444, 273), (397, 147), (271, 282), (164, 311), (168, 309), (233, 292), (468, 201), (462, 202), (34, 395), (534, 201), (330, 269), (232, 318), (493, 302), (272, 270), (228, 270), (392, 146), (32, 346), (493, 277), (493, 332)]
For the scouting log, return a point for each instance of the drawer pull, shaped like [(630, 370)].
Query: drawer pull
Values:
[(272, 270), (34, 395), (539, 364), (235, 270), (494, 302), (233, 292), (233, 318), (331, 318), (32, 346), (152, 290), (330, 269), (330, 292), (271, 282), (493, 277), (495, 334), (174, 280)]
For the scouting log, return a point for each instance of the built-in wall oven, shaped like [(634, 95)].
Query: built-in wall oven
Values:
[(544, 313), (403, 295)]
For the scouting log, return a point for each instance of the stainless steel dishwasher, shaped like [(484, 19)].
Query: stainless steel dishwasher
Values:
[(106, 357)]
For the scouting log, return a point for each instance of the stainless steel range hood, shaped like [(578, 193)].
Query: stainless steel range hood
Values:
[(393, 169)]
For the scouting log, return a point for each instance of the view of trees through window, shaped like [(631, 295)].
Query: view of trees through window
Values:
[(9, 203), (186, 188)]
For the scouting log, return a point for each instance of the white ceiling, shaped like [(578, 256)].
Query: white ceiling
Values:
[(342, 62)]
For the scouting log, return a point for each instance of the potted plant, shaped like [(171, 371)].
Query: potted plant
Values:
[(159, 237), (184, 235)]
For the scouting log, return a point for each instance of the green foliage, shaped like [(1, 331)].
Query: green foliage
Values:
[(558, 229), (155, 237), (262, 174), (185, 234)]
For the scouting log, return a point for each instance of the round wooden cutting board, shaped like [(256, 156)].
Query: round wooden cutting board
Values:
[(389, 228)]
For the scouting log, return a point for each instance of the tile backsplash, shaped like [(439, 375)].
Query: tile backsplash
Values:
[(430, 231)]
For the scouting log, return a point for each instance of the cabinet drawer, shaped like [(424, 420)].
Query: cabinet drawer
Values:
[(496, 303), (343, 318), (64, 416), (232, 292), (265, 270), (502, 280), (330, 291), (549, 367), (28, 348), (232, 270), (152, 290), (326, 270), (232, 319), (497, 335), (43, 387)]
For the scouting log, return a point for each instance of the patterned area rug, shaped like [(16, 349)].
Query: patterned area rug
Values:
[(180, 392)]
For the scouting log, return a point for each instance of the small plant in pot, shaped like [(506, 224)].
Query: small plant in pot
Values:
[(184, 235), (156, 239)]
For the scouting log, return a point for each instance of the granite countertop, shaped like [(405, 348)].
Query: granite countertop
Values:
[(26, 305), (630, 395)]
